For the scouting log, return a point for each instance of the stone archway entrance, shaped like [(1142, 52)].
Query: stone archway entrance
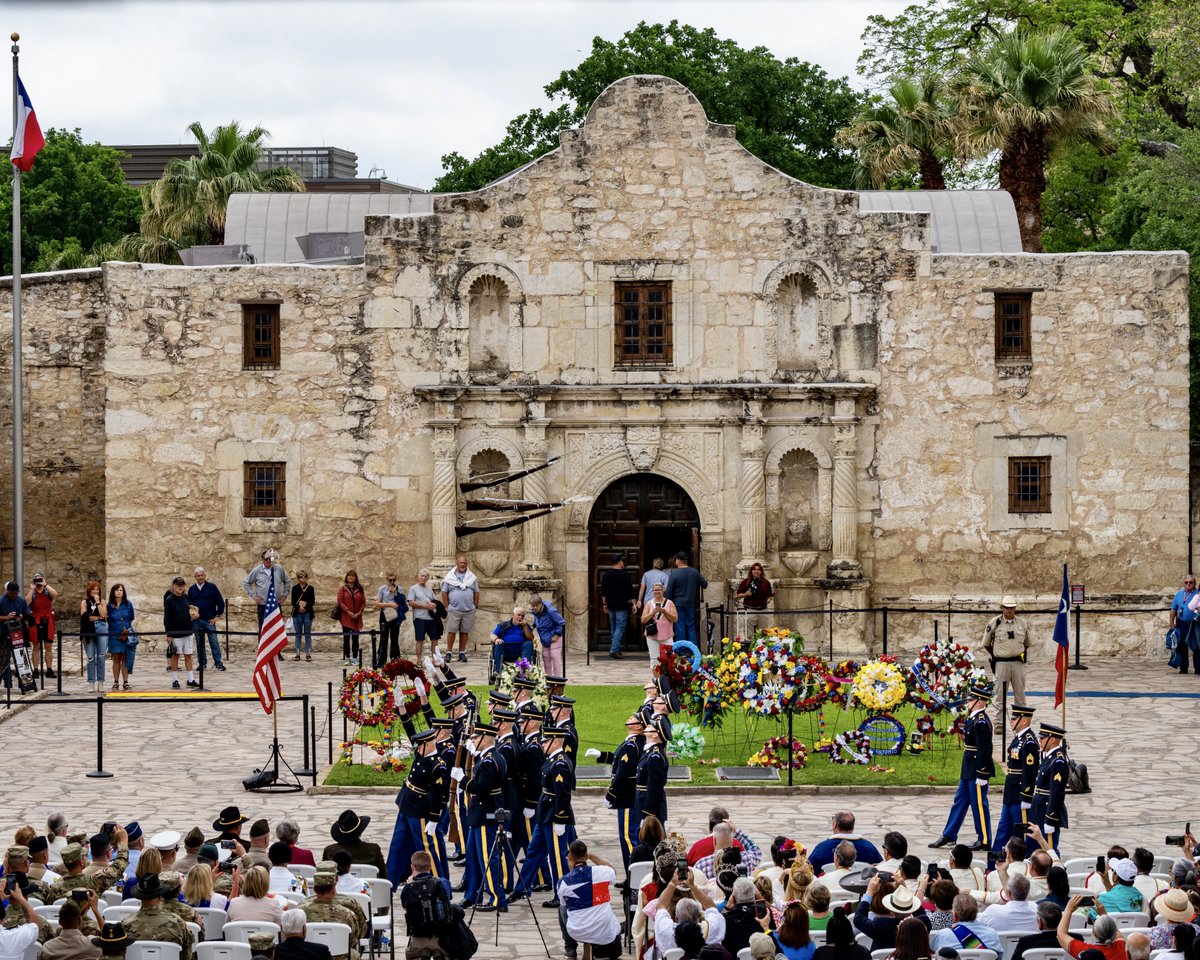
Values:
[(641, 516)]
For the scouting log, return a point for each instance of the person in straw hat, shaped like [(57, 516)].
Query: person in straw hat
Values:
[(1172, 908), (1006, 640)]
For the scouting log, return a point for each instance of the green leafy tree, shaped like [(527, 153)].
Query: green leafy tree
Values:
[(786, 112), (187, 205), (1080, 186), (914, 126), (74, 196), (1027, 95)]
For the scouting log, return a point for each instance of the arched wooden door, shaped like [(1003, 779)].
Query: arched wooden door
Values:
[(641, 516)]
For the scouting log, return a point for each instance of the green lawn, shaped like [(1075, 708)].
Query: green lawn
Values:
[(601, 712)]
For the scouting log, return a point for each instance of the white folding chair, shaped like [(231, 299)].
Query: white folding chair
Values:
[(362, 900), (33, 951), (131, 902), (1044, 953), (112, 897), (379, 889), (1009, 938), (745, 954), (194, 930), (364, 870), (817, 937), (213, 921), (335, 936), (882, 954), (118, 914), (863, 940), (240, 930), (1078, 921), (222, 950), (1126, 921), (303, 870), (48, 913), (675, 953), (1075, 865), (292, 896), (153, 950), (976, 955), (1164, 864)]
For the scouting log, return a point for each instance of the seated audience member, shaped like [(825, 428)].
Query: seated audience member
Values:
[(762, 947), (704, 846), (1172, 909), (1137, 945), (1048, 915), (1104, 930), (878, 917), (842, 866), (1121, 896), (783, 854), (912, 940), (280, 879), (767, 892), (798, 880), (1058, 886), (39, 862), (421, 903), (347, 880), (908, 872), (745, 913), (71, 944), (1183, 940), (1018, 913), (1149, 887), (651, 897), (966, 932), (725, 835), (963, 871), (689, 937), (650, 835), (347, 835), (839, 940), (292, 943), (113, 940), (700, 911), (941, 894), (288, 830), (1094, 881), (512, 640), (843, 829), (198, 889), (792, 938), (816, 902), (585, 893), (895, 849), (149, 862), (252, 901)]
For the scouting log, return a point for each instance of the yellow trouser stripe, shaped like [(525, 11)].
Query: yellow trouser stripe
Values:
[(983, 820), (1024, 815), (558, 870), (425, 847), (486, 872)]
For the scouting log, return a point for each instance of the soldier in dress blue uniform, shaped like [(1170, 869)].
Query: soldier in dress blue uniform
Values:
[(497, 699), (646, 710), (554, 828), (416, 823), (508, 746), (562, 714), (1049, 810), (652, 770), (529, 772), (977, 769), (456, 712), (439, 794), (489, 868), (523, 691), (622, 788), (1020, 775)]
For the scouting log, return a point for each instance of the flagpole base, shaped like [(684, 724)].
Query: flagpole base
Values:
[(1077, 666)]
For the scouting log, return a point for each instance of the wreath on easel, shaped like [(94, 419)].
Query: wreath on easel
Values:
[(367, 699), (852, 748)]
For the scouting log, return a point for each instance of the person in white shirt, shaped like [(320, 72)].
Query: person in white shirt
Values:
[(14, 941), (347, 882), (843, 860), (1017, 913), (281, 879), (701, 911), (963, 872), (585, 893), (1149, 887)]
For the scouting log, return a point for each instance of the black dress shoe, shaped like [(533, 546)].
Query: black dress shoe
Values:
[(942, 841), (492, 908), (551, 904), (978, 845), (460, 887), (465, 904), (461, 858)]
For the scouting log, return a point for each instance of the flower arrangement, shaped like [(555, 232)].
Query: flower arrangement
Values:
[(367, 699), (767, 679), (942, 674), (879, 686), (687, 742), (404, 674), (678, 670), (838, 679), (812, 688), (392, 755), (851, 748), (773, 635), (526, 671), (774, 754)]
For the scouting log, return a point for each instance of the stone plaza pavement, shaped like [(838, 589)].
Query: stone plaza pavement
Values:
[(178, 764)]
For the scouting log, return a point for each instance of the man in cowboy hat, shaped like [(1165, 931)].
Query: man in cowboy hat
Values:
[(153, 921), (1049, 809), (1006, 640), (977, 769), (622, 787), (651, 785), (229, 826), (113, 940), (347, 835), (1020, 774)]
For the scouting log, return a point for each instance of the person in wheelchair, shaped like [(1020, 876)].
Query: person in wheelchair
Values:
[(512, 640)]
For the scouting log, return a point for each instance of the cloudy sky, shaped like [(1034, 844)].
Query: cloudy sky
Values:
[(399, 83)]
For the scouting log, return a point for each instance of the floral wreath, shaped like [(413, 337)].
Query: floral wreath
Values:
[(525, 670), (813, 690), (942, 674), (687, 742), (404, 674), (353, 702), (850, 748), (879, 686), (771, 635), (392, 754), (838, 678), (683, 672), (774, 754), (767, 676)]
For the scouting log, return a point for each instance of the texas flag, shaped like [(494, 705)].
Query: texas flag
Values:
[(27, 136)]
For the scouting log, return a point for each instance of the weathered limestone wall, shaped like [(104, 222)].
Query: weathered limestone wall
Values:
[(63, 318), (1105, 397)]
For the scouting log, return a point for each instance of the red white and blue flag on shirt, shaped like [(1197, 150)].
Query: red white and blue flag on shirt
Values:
[(1062, 637), (27, 135), (272, 641)]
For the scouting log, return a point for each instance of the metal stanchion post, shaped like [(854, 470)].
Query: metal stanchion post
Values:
[(227, 631), (885, 636), (58, 690), (308, 770), (374, 651), (789, 713), (99, 772), (329, 723), (312, 726), (1077, 665), (831, 629)]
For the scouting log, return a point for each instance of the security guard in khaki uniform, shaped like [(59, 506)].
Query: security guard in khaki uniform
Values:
[(1006, 640), (154, 921), (97, 880), (322, 908)]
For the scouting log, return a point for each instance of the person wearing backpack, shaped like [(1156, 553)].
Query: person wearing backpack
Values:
[(427, 908)]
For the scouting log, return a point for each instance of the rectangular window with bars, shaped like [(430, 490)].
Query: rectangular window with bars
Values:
[(1013, 341), (1028, 484), (264, 490), (260, 336), (643, 324)]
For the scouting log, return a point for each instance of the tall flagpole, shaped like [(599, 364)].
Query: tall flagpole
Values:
[(18, 402)]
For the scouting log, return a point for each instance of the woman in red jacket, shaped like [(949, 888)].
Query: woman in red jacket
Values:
[(351, 602)]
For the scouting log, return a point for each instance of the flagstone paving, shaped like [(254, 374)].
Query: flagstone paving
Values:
[(178, 764)]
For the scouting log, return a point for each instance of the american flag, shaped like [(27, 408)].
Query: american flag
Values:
[(272, 641)]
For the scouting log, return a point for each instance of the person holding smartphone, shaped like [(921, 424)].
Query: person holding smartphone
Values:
[(746, 913), (15, 940), (71, 943), (658, 623)]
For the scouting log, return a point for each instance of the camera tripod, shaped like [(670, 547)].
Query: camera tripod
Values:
[(501, 846)]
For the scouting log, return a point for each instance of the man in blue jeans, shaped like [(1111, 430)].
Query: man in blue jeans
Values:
[(1185, 618), (511, 640), (207, 599), (683, 588), (617, 596)]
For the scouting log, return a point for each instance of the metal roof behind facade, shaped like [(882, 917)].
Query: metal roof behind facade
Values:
[(269, 223), (961, 221)]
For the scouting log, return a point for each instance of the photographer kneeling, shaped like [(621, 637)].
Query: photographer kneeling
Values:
[(430, 915), (746, 913)]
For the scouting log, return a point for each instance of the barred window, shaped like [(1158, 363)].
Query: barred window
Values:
[(1013, 341), (1028, 484), (260, 336), (264, 490), (643, 324)]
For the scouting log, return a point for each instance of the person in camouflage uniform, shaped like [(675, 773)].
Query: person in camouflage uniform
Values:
[(16, 860), (347, 901), (262, 945), (153, 921), (323, 907), (96, 880), (172, 884), (14, 917)]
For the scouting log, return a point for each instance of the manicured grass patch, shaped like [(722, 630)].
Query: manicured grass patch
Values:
[(601, 712)]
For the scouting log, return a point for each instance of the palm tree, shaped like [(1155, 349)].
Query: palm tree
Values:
[(1026, 95), (916, 126), (187, 205)]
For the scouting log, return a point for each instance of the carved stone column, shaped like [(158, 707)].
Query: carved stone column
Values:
[(537, 557), (444, 512), (844, 564), (752, 492)]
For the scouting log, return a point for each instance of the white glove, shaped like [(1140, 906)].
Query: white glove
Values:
[(528, 813), (1047, 830), (608, 805), (431, 827), (456, 774), (591, 752), (471, 748), (1025, 806), (560, 829), (422, 695), (980, 783)]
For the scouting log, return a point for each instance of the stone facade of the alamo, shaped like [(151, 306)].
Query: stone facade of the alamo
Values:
[(722, 359)]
